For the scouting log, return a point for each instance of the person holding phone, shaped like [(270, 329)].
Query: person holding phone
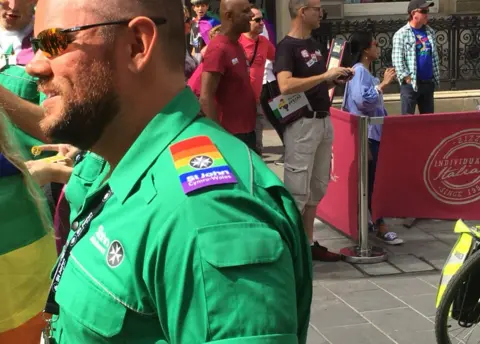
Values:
[(364, 96), (301, 69)]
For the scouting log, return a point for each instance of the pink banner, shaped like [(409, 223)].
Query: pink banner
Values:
[(339, 207), (429, 167)]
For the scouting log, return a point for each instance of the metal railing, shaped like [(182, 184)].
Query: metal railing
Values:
[(363, 252), (458, 42)]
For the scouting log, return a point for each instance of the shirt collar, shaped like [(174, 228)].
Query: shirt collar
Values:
[(427, 28), (153, 141)]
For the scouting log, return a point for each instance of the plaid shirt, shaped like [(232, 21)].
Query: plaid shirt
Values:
[(404, 55)]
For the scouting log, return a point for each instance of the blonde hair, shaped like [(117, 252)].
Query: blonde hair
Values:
[(10, 152), (213, 31), (186, 12)]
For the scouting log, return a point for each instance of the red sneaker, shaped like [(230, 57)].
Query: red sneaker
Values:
[(322, 254)]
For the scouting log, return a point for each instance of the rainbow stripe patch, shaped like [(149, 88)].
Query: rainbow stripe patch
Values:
[(199, 164)]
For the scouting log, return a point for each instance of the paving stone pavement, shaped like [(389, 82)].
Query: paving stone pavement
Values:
[(389, 302)]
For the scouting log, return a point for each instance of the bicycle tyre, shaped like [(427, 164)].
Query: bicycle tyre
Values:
[(441, 318)]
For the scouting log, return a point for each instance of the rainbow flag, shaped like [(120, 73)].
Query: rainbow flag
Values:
[(27, 255), (199, 164)]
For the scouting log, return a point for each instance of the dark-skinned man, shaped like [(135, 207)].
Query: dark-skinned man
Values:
[(226, 94)]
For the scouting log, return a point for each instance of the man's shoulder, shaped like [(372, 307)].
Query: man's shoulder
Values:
[(404, 29), (429, 30), (219, 42), (264, 41), (285, 41), (207, 178), (206, 161)]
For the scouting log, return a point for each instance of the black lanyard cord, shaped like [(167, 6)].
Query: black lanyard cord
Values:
[(52, 306)]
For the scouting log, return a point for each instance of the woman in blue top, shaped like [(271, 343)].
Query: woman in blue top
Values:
[(364, 96)]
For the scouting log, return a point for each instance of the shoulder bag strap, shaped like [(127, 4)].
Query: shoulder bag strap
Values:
[(254, 52)]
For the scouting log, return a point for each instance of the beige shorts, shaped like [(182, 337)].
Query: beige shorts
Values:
[(308, 156)]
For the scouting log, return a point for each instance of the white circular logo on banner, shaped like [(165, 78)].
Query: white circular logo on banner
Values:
[(452, 172)]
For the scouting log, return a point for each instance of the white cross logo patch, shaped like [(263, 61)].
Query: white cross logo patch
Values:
[(115, 254)]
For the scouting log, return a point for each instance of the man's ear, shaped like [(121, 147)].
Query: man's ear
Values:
[(301, 13), (142, 35)]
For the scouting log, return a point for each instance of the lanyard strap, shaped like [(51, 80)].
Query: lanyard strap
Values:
[(52, 306)]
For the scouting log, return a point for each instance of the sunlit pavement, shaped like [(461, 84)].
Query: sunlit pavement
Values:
[(390, 302)]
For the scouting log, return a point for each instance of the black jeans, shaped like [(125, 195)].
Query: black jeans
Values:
[(250, 139), (374, 147), (423, 98), (269, 91)]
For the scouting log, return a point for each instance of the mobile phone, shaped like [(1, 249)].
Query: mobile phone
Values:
[(346, 77)]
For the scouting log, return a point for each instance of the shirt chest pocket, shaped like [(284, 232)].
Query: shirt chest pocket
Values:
[(89, 170), (410, 44), (88, 313)]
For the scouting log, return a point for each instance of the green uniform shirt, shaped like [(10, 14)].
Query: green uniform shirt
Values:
[(89, 170), (226, 263), (16, 80)]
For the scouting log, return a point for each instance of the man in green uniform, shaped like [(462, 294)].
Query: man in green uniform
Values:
[(185, 236)]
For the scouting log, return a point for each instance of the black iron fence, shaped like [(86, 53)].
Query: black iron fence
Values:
[(458, 42)]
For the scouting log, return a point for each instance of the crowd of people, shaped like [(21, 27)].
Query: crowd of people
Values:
[(131, 137)]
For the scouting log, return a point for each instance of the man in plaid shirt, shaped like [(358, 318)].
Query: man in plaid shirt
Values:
[(416, 61)]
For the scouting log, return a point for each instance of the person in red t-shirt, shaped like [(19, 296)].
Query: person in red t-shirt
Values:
[(225, 76), (258, 49)]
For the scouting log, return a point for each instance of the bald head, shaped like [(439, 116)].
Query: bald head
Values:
[(236, 15), (171, 36), (227, 6)]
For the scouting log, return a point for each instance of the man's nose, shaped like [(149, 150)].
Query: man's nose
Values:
[(9, 3), (39, 66)]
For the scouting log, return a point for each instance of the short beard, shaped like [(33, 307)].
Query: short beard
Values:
[(83, 122)]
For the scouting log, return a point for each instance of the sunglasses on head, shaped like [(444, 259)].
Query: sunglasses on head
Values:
[(53, 42), (258, 20)]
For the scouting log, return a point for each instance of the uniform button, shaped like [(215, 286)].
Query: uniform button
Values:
[(75, 225)]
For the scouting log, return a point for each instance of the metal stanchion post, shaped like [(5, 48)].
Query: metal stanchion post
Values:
[(363, 253)]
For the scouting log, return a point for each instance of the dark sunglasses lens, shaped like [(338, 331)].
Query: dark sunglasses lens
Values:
[(52, 42), (424, 11), (258, 20)]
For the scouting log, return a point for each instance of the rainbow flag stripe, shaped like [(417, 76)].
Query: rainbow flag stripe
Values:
[(199, 164), (277, 114)]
